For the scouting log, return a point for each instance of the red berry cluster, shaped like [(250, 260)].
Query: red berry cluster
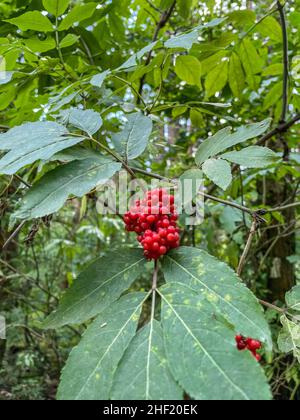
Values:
[(249, 344), (154, 220)]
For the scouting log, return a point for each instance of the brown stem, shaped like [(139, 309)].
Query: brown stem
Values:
[(247, 247)]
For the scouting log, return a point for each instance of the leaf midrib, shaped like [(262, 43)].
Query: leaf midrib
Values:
[(189, 331)]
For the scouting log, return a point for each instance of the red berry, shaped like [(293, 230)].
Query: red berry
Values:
[(171, 237), (151, 219), (163, 250)]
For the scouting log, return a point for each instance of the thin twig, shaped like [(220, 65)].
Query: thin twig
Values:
[(13, 235), (285, 93), (166, 15), (247, 247), (282, 128)]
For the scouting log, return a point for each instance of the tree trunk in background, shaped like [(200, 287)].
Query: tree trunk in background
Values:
[(281, 273)]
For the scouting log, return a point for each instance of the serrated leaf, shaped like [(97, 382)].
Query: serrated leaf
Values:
[(98, 287), (289, 337), (252, 157), (219, 284), (99, 78), (202, 352), (188, 69), (34, 21), (89, 372), (132, 141), (292, 298), (56, 7), (77, 178), (218, 171), (78, 14), (31, 142), (143, 373), (86, 120), (236, 75), (225, 138)]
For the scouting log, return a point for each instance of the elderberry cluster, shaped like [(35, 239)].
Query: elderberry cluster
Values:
[(249, 344), (154, 220)]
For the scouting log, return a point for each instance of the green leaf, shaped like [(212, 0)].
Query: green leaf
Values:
[(132, 141), (211, 62), (98, 287), (289, 337), (185, 8), (178, 111), (202, 352), (143, 373), (87, 120), (219, 284), (243, 18), (292, 299), (68, 40), (218, 171), (99, 78), (31, 142), (89, 372), (252, 157), (78, 14), (77, 178), (216, 79), (36, 45), (133, 60), (251, 61), (273, 96), (56, 7), (273, 70), (34, 21), (188, 69), (236, 75), (270, 28), (225, 138), (185, 41), (196, 117), (75, 153)]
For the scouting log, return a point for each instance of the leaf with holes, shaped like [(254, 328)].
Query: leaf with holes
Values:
[(89, 372), (202, 353), (97, 287), (218, 283)]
